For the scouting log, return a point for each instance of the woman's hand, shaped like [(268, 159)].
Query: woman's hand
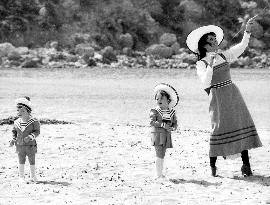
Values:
[(212, 58), (250, 23)]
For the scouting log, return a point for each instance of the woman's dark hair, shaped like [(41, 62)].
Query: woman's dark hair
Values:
[(163, 93), (27, 98), (202, 42)]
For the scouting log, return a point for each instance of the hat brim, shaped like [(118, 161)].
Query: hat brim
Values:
[(170, 90), (194, 37), (24, 102)]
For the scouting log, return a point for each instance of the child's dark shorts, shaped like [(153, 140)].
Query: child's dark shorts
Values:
[(26, 150), (160, 151)]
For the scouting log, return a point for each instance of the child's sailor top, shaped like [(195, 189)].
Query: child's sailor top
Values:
[(22, 129), (158, 119)]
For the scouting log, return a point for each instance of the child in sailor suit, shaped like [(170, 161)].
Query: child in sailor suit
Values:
[(25, 130), (162, 121)]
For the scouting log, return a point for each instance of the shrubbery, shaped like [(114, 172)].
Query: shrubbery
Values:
[(33, 23)]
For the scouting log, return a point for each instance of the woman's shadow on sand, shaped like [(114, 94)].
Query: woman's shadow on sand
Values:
[(54, 183), (263, 180), (199, 182)]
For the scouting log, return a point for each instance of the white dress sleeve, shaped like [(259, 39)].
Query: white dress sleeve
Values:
[(234, 52), (205, 73)]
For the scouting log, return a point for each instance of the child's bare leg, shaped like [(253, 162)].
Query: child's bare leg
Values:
[(160, 154), (31, 159), (22, 158)]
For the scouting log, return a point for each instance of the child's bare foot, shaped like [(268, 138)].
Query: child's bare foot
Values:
[(33, 180), (160, 177)]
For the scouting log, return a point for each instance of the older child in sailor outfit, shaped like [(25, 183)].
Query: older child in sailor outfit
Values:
[(163, 120), (233, 130), (25, 130)]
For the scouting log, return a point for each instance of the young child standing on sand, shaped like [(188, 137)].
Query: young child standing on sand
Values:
[(25, 131), (163, 120)]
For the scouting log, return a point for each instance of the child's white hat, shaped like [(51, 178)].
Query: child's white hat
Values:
[(170, 90), (25, 101), (194, 37)]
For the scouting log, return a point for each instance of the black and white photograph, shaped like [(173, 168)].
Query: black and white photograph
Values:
[(134, 102)]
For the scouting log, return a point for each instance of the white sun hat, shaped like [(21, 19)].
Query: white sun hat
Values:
[(170, 90), (194, 37), (25, 101)]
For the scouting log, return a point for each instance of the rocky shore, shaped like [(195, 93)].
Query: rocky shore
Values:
[(159, 56)]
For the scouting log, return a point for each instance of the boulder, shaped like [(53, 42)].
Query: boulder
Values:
[(168, 39), (31, 63), (5, 49), (22, 50), (159, 50), (14, 55), (82, 49)]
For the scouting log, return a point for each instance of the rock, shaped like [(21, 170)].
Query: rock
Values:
[(176, 48), (126, 40), (244, 61), (255, 43), (5, 49), (108, 55), (22, 50), (14, 55), (31, 63), (98, 57), (168, 39), (82, 49), (159, 50)]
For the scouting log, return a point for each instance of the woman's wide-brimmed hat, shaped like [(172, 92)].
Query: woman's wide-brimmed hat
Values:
[(170, 90), (194, 37), (25, 101)]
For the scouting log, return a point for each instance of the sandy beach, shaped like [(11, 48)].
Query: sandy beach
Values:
[(105, 156)]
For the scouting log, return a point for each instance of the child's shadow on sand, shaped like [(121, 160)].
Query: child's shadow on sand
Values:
[(199, 182), (263, 180), (54, 183)]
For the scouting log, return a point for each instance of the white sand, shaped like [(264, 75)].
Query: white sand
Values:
[(114, 164), (106, 158)]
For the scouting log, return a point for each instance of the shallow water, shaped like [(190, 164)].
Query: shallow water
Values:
[(120, 96)]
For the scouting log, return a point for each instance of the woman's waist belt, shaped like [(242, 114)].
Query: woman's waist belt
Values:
[(221, 84), (218, 85)]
